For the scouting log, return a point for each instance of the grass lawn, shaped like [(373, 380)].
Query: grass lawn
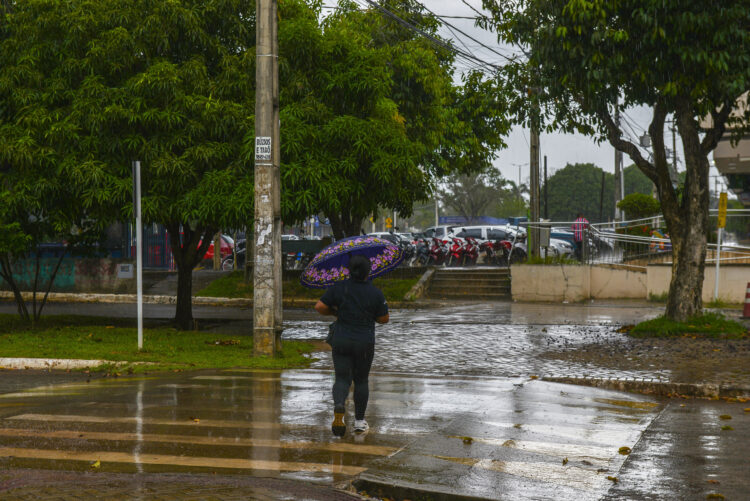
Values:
[(708, 325), (93, 338), (234, 286)]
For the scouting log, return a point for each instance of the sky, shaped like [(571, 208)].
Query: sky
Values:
[(560, 149)]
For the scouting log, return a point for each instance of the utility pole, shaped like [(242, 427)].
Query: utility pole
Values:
[(278, 263), (437, 217), (533, 231), (546, 201), (619, 185), (674, 150), (267, 256)]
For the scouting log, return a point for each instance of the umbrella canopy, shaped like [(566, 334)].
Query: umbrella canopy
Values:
[(330, 265)]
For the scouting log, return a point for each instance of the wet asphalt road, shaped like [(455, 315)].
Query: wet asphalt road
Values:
[(492, 438), (464, 372)]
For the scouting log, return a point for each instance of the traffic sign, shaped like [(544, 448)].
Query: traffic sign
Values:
[(388, 222), (722, 210)]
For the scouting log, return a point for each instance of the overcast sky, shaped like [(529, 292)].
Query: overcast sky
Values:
[(560, 149)]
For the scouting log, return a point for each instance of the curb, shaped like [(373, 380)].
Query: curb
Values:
[(658, 387), (54, 363), (66, 297), (386, 490)]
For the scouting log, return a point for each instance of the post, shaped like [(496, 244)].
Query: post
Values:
[(265, 284), (720, 223), (601, 200), (139, 248), (619, 184), (278, 258), (437, 218), (546, 201), (533, 231)]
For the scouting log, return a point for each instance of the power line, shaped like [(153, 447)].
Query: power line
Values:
[(431, 38)]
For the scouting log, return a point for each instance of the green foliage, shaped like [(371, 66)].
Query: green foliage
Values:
[(708, 325), (552, 260), (639, 205), (371, 115), (578, 188), (586, 59), (93, 338), (636, 181)]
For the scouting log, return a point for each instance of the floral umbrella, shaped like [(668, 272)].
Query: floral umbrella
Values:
[(330, 265)]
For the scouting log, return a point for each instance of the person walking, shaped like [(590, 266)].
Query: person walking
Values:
[(357, 305), (579, 226)]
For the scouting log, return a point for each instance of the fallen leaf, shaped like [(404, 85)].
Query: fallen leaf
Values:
[(109, 326), (565, 461), (533, 377), (587, 463), (715, 495), (468, 440), (624, 450), (727, 428), (613, 479), (725, 416), (712, 481), (747, 409), (96, 464)]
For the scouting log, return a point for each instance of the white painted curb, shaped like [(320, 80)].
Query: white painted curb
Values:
[(52, 363)]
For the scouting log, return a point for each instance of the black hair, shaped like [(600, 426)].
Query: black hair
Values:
[(359, 268)]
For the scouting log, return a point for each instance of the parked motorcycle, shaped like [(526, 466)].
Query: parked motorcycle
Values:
[(421, 252), (470, 252), (438, 252), (455, 252)]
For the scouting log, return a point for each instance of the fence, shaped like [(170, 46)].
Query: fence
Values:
[(635, 244)]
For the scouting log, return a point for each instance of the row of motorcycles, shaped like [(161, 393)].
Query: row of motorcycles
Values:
[(462, 251)]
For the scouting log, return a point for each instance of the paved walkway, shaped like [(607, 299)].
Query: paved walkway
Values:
[(470, 436)]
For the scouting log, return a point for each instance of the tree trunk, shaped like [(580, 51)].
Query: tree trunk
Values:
[(188, 250), (6, 271), (688, 231), (183, 317), (345, 225)]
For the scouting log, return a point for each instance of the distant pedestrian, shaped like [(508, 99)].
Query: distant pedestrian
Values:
[(357, 305), (579, 226)]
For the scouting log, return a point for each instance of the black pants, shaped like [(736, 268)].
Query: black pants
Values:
[(352, 361)]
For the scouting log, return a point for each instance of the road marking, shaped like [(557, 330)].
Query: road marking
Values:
[(67, 418), (194, 461), (374, 450)]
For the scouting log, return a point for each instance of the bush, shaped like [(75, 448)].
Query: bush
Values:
[(638, 205)]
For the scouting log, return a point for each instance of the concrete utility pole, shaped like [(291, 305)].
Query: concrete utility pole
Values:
[(619, 185), (267, 257), (546, 201), (533, 231)]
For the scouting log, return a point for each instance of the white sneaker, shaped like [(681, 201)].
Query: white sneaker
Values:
[(361, 426)]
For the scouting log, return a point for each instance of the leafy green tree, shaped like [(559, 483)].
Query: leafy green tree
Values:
[(471, 195), (165, 82), (578, 188), (681, 58), (636, 181), (40, 200), (371, 116)]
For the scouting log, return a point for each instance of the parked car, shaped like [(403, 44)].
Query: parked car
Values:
[(437, 231), (227, 246)]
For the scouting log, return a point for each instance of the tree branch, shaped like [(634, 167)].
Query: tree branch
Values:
[(614, 135), (714, 135)]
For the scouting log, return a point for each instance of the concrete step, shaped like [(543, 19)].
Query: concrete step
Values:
[(499, 296), (454, 281)]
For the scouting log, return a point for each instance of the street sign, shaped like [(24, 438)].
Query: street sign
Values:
[(388, 222), (722, 210)]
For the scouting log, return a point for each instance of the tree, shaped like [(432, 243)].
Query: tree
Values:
[(168, 83), (40, 200), (371, 115), (680, 58), (636, 181), (578, 188), (471, 195)]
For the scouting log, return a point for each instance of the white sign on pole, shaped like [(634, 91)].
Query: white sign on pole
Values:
[(262, 148)]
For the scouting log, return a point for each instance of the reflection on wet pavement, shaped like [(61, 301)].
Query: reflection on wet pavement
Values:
[(498, 339), (475, 435)]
